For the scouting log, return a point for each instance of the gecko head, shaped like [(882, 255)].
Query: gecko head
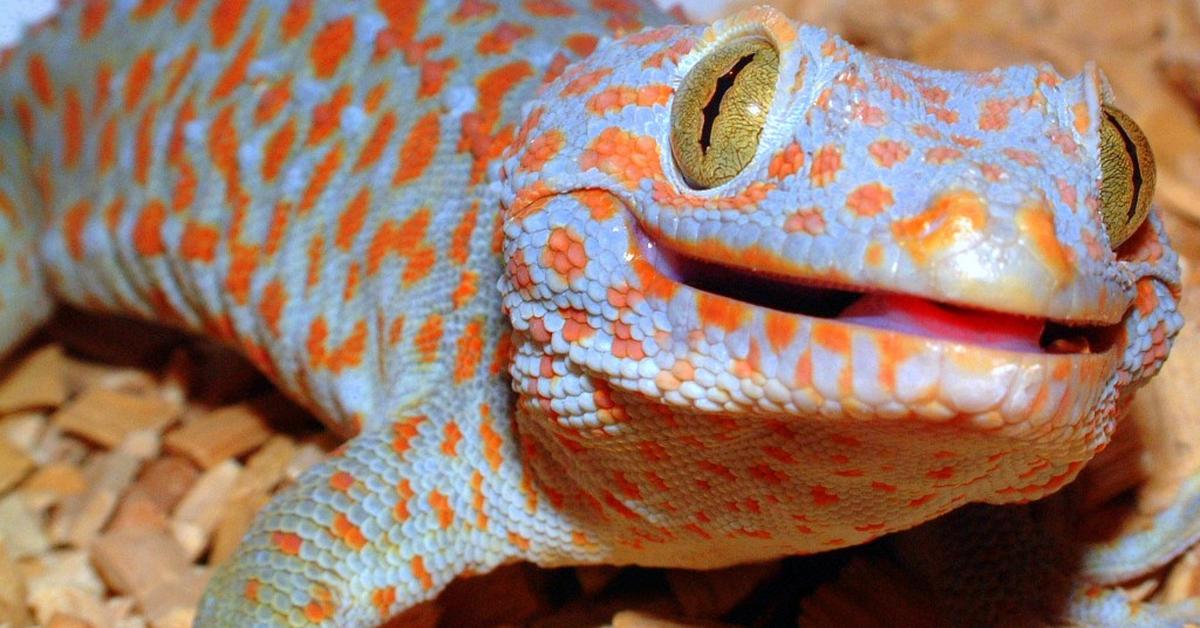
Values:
[(755, 219)]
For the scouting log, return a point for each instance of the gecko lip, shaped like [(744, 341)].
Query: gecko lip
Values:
[(891, 311)]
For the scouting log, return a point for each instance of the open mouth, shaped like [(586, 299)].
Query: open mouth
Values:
[(883, 310)]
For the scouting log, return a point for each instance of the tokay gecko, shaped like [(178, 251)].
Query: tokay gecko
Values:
[(581, 286)]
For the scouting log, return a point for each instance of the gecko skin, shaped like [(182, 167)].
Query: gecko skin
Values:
[(339, 188)]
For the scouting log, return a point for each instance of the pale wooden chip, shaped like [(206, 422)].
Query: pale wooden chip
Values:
[(225, 433), (20, 529), (12, 592), (135, 561), (81, 517), (14, 466), (36, 382), (107, 417), (197, 514)]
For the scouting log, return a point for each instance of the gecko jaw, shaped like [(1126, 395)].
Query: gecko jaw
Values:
[(884, 310)]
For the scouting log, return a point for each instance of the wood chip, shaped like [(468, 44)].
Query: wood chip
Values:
[(201, 509), (12, 592), (640, 619), (82, 516), (107, 417), (24, 430), (36, 382), (224, 434), (64, 581), (21, 530), (138, 510), (14, 465), (167, 480), (134, 561), (50, 484), (172, 603), (239, 514)]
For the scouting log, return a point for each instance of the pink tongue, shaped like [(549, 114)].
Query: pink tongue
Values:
[(912, 315)]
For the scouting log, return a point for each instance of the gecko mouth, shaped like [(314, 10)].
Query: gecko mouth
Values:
[(893, 311)]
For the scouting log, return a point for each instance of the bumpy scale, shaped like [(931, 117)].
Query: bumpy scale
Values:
[(338, 188)]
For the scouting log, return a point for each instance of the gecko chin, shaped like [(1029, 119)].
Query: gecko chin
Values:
[(883, 310)]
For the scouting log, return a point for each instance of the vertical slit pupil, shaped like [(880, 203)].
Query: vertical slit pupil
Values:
[(713, 108), (1131, 149)]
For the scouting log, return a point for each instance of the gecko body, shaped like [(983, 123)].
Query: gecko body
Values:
[(584, 287)]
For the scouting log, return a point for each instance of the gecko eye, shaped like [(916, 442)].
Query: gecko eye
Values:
[(1127, 171), (720, 109)]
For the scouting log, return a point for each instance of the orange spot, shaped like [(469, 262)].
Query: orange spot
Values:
[(235, 74), (618, 97), (470, 351), (625, 156), (139, 76), (277, 149), (460, 243), (494, 85), (406, 239), (349, 533), (428, 337), (330, 46), (223, 145), (92, 19), (341, 481), (199, 242), (582, 44), (299, 12), (225, 20), (419, 572), (1036, 224), (271, 307), (501, 38), (565, 254), (827, 162), (601, 205), (419, 149), (451, 437), (586, 82), (780, 329), (39, 79), (404, 493), (377, 142), (492, 441), (717, 311), (786, 162), (147, 231), (287, 542), (72, 129), (832, 336), (251, 590), (320, 178), (351, 221), (870, 199), (542, 149), (403, 18), (949, 218), (403, 433), (383, 599), (185, 9), (326, 116), (73, 223), (273, 101), (142, 149), (441, 507), (823, 497)]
